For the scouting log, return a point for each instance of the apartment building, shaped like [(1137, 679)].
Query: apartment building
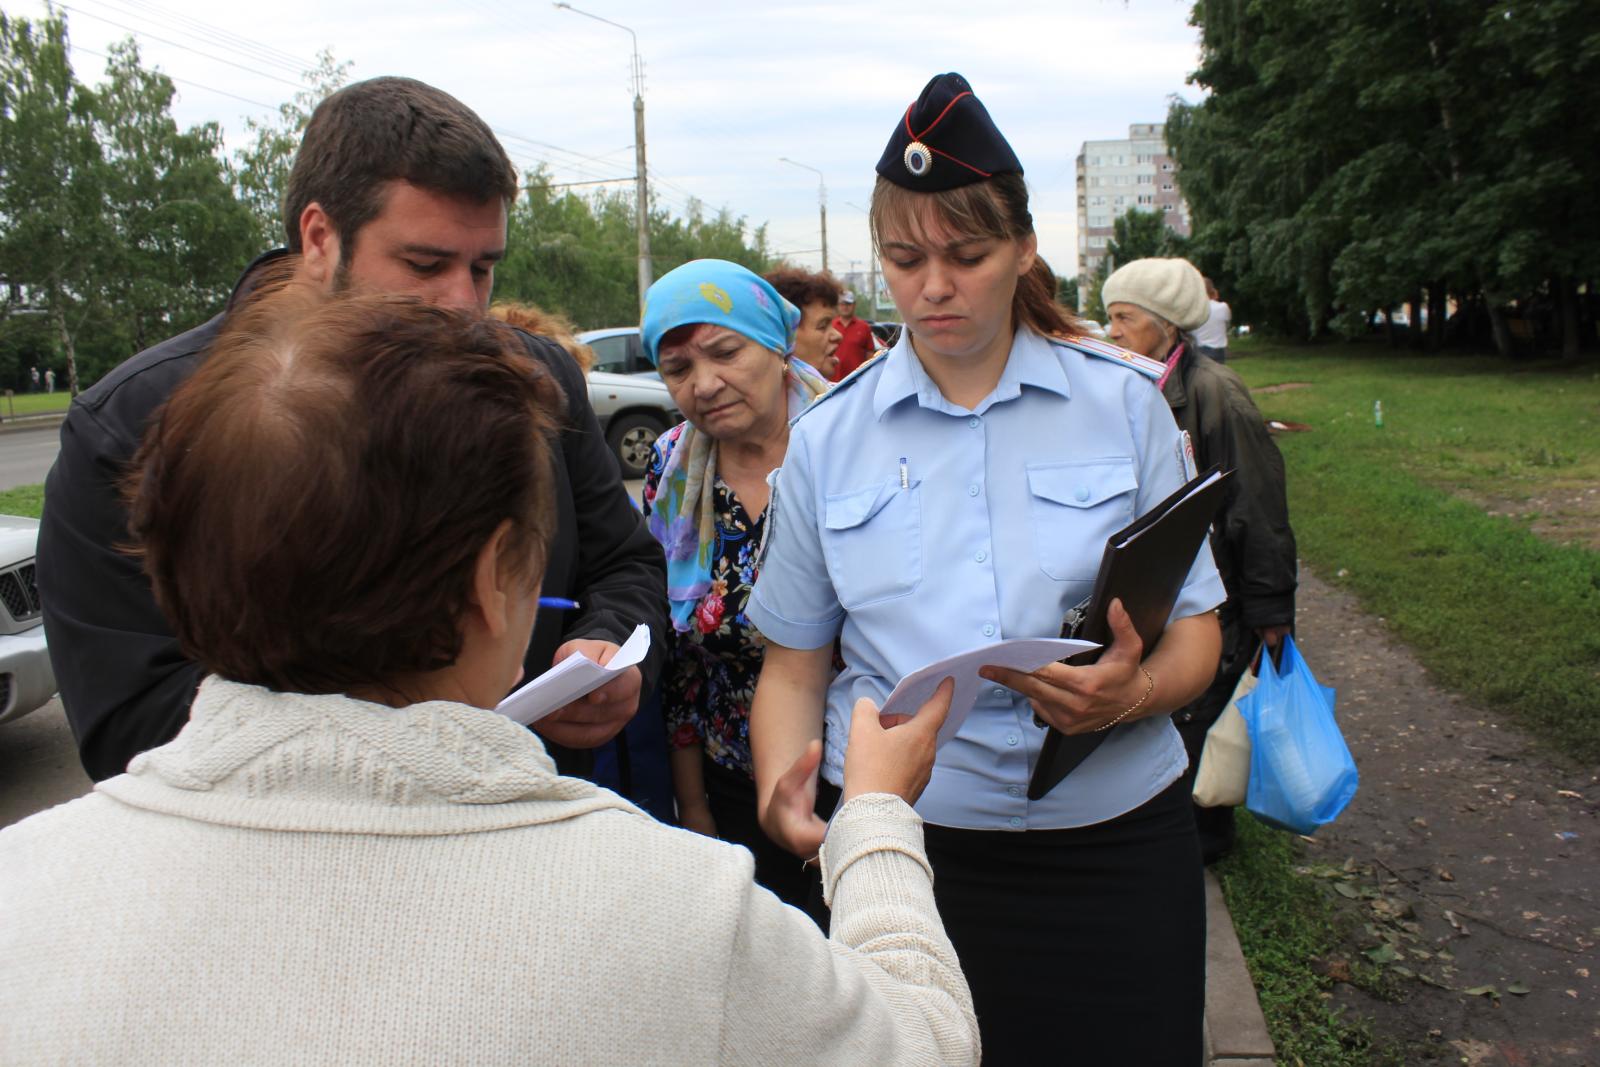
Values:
[(1114, 176)]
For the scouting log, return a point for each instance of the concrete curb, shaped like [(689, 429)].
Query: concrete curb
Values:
[(1236, 1031), (44, 421)]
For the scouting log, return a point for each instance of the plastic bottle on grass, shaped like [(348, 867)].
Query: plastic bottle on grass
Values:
[(1377, 413)]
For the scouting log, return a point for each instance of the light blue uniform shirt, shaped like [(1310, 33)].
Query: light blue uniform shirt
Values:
[(998, 531)]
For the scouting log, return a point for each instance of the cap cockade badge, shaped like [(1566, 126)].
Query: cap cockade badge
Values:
[(918, 159)]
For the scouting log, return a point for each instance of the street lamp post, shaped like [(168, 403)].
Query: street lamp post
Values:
[(641, 183), (822, 203), (872, 259)]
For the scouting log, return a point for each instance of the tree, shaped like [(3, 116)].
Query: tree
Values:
[(180, 236), (52, 181), (578, 255), (1351, 157), (262, 167)]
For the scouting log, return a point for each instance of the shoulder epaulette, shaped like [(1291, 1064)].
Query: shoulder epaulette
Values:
[(1150, 368), (843, 383)]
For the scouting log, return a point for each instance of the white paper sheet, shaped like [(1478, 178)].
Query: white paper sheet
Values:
[(570, 679), (1023, 654)]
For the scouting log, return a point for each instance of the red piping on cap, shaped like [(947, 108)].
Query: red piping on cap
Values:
[(935, 122), (953, 159)]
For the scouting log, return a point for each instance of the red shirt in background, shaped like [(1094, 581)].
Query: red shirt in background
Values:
[(856, 345)]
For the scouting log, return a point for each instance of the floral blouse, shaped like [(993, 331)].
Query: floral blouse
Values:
[(710, 677)]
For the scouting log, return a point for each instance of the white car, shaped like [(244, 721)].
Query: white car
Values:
[(26, 678), (628, 397)]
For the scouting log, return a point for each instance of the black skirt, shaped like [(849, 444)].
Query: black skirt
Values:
[(1082, 946)]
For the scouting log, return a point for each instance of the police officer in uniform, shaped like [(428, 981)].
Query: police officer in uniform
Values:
[(956, 492)]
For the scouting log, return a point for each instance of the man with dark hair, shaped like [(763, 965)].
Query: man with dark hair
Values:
[(397, 187), (817, 297)]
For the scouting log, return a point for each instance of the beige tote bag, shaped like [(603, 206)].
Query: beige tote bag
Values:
[(1224, 774)]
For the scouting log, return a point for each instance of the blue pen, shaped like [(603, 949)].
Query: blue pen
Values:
[(905, 474), (558, 602)]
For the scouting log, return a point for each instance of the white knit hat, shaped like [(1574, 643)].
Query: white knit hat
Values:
[(1171, 288)]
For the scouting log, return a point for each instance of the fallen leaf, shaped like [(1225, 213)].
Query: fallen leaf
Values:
[(1444, 875), (1569, 794), (1382, 954), (1345, 889), (1583, 972), (1573, 993), (1520, 988), (1482, 991)]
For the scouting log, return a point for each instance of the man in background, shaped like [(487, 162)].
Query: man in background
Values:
[(397, 187), (856, 342), (1212, 336)]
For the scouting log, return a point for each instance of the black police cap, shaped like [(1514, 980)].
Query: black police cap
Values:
[(946, 140)]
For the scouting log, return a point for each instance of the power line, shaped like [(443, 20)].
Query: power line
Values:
[(186, 48), (186, 81), (256, 51)]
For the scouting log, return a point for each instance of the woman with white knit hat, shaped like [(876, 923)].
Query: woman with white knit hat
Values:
[(1153, 304)]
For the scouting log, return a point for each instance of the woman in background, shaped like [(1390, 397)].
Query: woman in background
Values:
[(1151, 304), (723, 340)]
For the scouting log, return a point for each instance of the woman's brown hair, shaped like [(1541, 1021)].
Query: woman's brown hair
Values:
[(995, 207), (310, 505)]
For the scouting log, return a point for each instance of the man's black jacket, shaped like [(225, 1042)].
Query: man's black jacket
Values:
[(125, 685)]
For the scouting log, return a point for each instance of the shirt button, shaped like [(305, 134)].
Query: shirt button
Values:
[(1082, 494), (973, 421), (972, 490), (1016, 821), (988, 630), (1012, 739), (1002, 693), (981, 556), (1015, 790)]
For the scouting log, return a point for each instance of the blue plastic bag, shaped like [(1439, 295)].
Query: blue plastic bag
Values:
[(1301, 772)]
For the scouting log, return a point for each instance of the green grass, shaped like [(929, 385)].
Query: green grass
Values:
[(1400, 515), (1287, 923), (23, 500), (34, 403)]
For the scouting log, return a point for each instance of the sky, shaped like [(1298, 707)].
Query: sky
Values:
[(730, 85)]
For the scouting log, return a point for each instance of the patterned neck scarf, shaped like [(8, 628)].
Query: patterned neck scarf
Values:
[(683, 515)]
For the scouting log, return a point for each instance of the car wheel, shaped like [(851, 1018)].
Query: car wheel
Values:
[(631, 438)]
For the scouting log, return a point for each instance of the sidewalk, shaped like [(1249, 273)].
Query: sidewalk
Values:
[(1236, 1032)]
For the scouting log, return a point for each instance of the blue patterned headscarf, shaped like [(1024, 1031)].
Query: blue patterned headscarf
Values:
[(683, 511), (722, 293)]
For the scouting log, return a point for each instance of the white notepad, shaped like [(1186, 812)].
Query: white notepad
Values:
[(570, 679), (1022, 654)]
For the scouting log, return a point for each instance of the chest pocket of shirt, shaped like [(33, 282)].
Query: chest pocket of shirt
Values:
[(1076, 506), (873, 541)]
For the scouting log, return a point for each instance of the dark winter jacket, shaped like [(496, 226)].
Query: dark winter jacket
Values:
[(1251, 538), (125, 685)]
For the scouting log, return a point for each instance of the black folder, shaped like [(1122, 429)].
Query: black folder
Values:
[(1144, 565)]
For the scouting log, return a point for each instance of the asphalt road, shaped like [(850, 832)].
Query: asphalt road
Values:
[(26, 455), (38, 764)]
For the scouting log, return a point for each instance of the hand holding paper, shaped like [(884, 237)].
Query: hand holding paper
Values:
[(573, 677), (1022, 654), (1083, 699)]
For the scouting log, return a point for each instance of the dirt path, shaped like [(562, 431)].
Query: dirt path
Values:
[(1471, 860)]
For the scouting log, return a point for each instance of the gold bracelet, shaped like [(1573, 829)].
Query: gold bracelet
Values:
[(1137, 704)]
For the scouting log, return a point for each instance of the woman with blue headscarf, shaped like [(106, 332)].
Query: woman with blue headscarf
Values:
[(722, 339)]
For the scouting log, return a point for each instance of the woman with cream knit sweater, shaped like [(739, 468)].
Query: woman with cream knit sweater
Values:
[(344, 858)]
